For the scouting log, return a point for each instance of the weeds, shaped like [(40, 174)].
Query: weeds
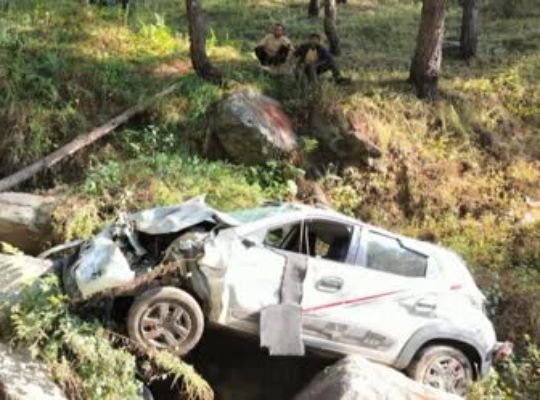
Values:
[(515, 379), (84, 361), (159, 180)]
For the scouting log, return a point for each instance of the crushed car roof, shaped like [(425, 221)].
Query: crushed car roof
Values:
[(175, 218)]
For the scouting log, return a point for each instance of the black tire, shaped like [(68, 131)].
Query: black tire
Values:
[(166, 318), (442, 367), (146, 393)]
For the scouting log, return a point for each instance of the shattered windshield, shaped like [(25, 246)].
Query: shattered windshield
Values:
[(258, 213)]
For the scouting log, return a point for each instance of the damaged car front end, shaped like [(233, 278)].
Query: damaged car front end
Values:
[(138, 243)]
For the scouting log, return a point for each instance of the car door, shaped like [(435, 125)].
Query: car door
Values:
[(370, 305), (255, 264)]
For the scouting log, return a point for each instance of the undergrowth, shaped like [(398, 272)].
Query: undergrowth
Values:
[(515, 379), (155, 181), (84, 358)]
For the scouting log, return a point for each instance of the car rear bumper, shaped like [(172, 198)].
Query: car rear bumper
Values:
[(501, 351)]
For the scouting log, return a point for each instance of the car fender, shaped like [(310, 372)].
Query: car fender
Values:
[(440, 334)]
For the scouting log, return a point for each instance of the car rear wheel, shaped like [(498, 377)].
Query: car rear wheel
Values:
[(166, 318), (443, 367)]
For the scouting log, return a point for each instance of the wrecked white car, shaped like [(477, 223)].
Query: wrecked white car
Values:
[(295, 275)]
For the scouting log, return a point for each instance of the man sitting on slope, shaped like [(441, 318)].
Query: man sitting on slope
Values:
[(274, 49)]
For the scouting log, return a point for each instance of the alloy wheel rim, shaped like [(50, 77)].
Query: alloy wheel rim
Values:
[(448, 374), (165, 325)]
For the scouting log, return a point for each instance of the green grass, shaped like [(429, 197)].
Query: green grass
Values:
[(152, 181)]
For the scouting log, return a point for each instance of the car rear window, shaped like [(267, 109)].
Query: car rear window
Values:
[(385, 253)]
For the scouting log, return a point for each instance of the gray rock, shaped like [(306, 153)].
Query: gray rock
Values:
[(15, 271), (354, 378), (23, 378), (250, 128), (340, 141), (25, 220)]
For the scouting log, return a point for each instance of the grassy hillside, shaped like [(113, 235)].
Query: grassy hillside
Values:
[(458, 171)]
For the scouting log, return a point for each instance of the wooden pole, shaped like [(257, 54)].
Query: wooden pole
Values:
[(80, 142)]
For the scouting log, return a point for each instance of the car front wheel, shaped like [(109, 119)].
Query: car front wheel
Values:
[(443, 367), (166, 318)]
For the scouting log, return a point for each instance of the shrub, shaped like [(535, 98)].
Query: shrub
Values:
[(161, 180), (84, 359), (515, 379)]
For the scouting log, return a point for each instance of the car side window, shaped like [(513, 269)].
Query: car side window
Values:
[(315, 238), (282, 237), (329, 240), (385, 253)]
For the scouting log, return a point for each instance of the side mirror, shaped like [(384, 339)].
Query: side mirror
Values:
[(248, 243)]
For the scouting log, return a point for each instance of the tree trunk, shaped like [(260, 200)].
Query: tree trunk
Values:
[(313, 9), (469, 28), (426, 63), (197, 42), (330, 26)]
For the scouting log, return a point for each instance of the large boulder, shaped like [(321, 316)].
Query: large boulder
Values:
[(343, 140), (25, 220), (23, 378), (250, 128), (354, 378)]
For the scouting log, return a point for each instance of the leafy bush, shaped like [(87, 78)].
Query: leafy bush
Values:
[(82, 356), (275, 177), (515, 379), (161, 180), (522, 374), (518, 295)]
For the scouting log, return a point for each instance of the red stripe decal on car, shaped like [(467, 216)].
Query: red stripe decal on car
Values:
[(351, 301)]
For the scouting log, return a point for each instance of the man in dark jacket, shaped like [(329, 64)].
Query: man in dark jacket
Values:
[(315, 60)]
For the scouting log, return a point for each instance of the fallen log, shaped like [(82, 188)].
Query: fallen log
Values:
[(80, 142)]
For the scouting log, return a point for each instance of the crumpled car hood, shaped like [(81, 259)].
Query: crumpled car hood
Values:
[(103, 265)]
